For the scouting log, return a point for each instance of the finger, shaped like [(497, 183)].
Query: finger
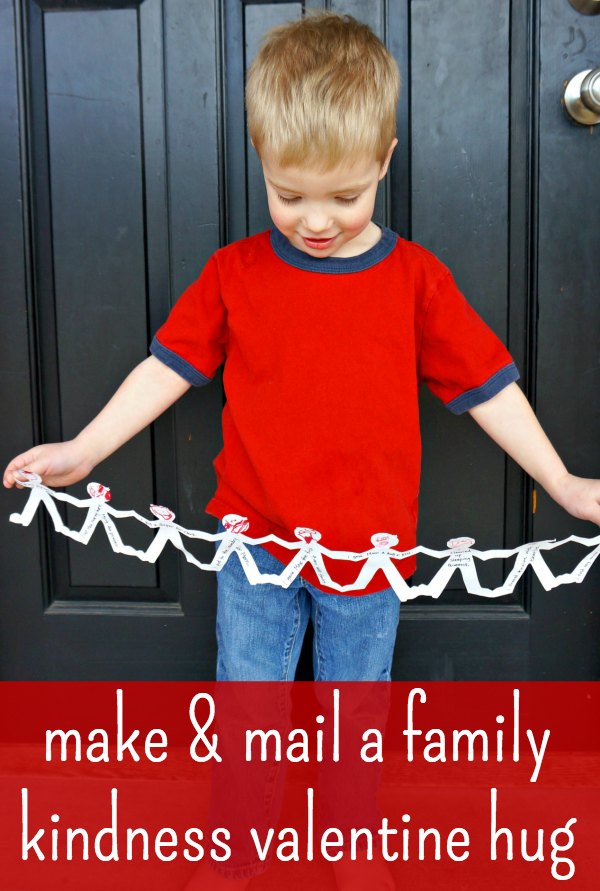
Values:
[(8, 478), (25, 461)]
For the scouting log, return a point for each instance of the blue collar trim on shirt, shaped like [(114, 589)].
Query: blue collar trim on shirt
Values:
[(295, 257)]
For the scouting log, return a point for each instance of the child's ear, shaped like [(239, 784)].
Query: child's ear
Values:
[(386, 163)]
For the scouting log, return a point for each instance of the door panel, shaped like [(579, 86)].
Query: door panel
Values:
[(121, 181), (567, 621), (126, 164)]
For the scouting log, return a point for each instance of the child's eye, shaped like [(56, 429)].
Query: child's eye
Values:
[(293, 200)]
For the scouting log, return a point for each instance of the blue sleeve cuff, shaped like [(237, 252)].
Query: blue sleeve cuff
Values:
[(471, 398), (176, 363)]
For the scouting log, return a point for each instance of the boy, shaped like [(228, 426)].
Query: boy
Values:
[(326, 325)]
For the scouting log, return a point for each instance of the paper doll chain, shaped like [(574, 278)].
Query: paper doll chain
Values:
[(458, 556)]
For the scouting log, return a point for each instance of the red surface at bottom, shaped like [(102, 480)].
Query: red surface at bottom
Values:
[(357, 762)]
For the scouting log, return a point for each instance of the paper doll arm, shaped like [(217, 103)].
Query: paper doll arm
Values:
[(554, 543), (147, 391), (549, 580), (350, 556), (501, 553), (290, 545), (510, 421), (130, 514), (218, 536), (200, 533)]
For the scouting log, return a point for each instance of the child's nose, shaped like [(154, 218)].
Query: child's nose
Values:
[(317, 222)]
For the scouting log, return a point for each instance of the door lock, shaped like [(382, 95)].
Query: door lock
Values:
[(581, 97)]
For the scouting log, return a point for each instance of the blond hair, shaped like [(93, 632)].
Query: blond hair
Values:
[(321, 92)]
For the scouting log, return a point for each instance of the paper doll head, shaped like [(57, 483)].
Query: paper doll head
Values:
[(306, 534), (163, 513), (384, 540), (463, 543), (235, 523), (28, 476), (97, 490)]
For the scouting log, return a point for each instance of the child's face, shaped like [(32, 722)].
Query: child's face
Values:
[(334, 207)]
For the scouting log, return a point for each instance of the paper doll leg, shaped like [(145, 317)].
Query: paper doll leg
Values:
[(30, 509), (36, 496), (87, 527), (437, 584), (156, 547), (93, 518), (362, 580), (116, 541), (524, 559), (224, 552), (470, 578), (397, 582), (159, 542), (286, 576)]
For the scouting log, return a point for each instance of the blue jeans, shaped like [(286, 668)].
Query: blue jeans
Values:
[(260, 628)]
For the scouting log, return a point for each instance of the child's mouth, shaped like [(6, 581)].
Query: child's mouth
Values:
[(319, 243)]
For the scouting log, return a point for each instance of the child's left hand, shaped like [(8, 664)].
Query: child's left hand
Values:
[(510, 421), (579, 496)]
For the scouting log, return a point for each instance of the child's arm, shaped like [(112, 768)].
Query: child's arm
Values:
[(147, 391), (509, 420)]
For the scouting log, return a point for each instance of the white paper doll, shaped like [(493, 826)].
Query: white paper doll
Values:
[(100, 512), (459, 556), (166, 531), (381, 556), (39, 494), (309, 551), (233, 542)]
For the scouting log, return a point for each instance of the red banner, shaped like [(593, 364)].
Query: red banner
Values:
[(189, 785)]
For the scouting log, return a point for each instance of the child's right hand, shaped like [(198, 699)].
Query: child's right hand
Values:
[(58, 464), (144, 394)]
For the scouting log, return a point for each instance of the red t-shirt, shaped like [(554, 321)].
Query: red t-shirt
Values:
[(323, 358)]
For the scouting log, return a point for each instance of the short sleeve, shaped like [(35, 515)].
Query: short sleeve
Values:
[(461, 360), (192, 341)]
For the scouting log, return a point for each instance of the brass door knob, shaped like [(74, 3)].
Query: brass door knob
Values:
[(581, 97), (587, 7)]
